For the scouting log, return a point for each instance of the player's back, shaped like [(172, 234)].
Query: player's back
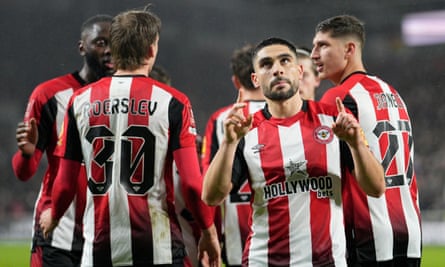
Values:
[(128, 127), (383, 115)]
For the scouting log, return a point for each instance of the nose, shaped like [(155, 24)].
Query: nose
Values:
[(314, 53), (107, 50), (277, 69)]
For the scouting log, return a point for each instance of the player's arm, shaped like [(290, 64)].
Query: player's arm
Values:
[(63, 193), (218, 177), (26, 160), (367, 170), (187, 163)]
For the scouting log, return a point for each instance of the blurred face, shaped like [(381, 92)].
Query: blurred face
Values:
[(309, 82), (330, 56), (277, 72), (95, 47)]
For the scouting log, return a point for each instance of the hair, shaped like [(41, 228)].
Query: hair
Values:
[(241, 65), (273, 41), (132, 33), (304, 52), (89, 23), (160, 74), (342, 26)]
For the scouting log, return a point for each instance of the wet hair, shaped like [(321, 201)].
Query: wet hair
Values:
[(241, 65), (342, 26), (89, 23), (132, 34), (273, 41)]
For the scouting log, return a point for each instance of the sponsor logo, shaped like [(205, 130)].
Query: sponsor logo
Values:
[(322, 186)]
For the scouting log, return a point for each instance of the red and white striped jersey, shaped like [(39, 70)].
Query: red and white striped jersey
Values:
[(237, 209), (47, 104), (294, 170), (380, 229), (128, 130)]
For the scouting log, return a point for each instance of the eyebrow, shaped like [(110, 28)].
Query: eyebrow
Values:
[(283, 55)]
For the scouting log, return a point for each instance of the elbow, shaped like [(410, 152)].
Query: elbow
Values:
[(22, 175), (211, 200), (378, 188)]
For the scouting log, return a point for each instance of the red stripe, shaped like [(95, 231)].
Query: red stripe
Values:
[(320, 211), (101, 243), (102, 248), (278, 243), (141, 232)]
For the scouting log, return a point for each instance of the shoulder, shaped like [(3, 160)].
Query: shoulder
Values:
[(321, 108), (50, 87)]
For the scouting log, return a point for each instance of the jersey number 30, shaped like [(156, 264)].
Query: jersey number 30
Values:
[(135, 162)]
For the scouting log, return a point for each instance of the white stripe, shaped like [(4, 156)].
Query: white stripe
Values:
[(257, 251), (62, 98), (232, 235), (299, 204), (412, 223), (336, 227), (64, 232), (162, 252), (120, 232)]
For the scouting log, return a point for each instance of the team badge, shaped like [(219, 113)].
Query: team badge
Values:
[(323, 134)]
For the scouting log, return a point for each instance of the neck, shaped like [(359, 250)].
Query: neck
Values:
[(142, 70), (286, 108), (351, 68)]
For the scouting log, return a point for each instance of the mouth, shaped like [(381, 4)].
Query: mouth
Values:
[(109, 65), (319, 67), (280, 83)]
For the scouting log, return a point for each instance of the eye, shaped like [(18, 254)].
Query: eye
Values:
[(266, 64), (101, 43)]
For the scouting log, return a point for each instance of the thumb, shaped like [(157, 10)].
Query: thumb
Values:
[(340, 106), (33, 123)]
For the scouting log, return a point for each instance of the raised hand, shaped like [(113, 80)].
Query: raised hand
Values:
[(346, 126), (27, 136), (236, 125)]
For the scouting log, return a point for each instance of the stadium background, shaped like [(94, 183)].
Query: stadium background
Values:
[(39, 41)]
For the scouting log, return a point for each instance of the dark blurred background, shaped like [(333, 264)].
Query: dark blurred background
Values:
[(39, 41)]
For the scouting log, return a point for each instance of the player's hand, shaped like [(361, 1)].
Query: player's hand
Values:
[(236, 125), (209, 250), (47, 223), (346, 126), (27, 136)]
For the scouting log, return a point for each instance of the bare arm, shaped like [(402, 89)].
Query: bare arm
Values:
[(217, 179), (367, 170)]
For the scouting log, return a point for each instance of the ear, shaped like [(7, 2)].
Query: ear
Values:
[(81, 47), (254, 79), (350, 48), (236, 82)]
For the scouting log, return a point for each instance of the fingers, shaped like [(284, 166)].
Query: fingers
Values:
[(340, 106), (240, 97)]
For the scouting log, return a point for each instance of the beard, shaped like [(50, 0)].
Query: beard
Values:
[(281, 95), (99, 69)]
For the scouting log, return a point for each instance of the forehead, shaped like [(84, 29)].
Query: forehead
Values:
[(321, 36), (97, 29), (274, 50)]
